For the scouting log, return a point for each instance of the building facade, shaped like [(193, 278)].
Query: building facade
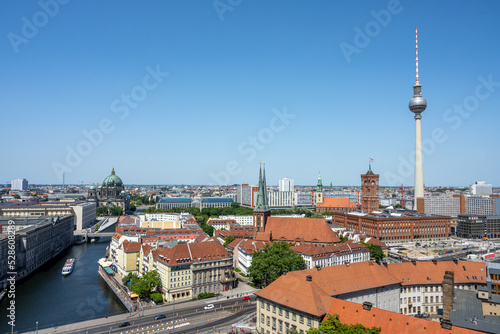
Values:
[(286, 184), (478, 226), (19, 184), (395, 226)]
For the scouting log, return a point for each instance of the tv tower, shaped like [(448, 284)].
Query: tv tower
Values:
[(417, 105)]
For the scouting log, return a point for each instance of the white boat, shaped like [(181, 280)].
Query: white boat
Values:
[(68, 267)]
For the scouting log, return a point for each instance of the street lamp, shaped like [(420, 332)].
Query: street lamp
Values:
[(37, 327)]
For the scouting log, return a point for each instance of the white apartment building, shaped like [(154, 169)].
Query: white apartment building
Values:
[(286, 184), (85, 214), (442, 206), (19, 184), (280, 199), (481, 188), (478, 205), (241, 220)]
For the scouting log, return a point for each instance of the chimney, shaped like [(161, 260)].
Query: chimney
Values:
[(318, 268), (446, 324), (434, 261), (455, 260), (367, 306), (385, 263), (309, 278), (347, 263), (285, 272), (414, 262), (448, 294)]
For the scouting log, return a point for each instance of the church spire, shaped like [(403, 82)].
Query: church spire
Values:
[(262, 204), (319, 188)]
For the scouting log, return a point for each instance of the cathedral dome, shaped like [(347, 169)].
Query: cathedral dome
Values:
[(112, 180)]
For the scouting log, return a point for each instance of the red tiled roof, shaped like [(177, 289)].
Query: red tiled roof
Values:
[(300, 230), (389, 322), (336, 202), (249, 246), (131, 247), (293, 291), (429, 273)]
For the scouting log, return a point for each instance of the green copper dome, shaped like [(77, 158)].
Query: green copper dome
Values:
[(92, 187), (112, 180)]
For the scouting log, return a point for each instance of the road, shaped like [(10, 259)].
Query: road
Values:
[(187, 319)]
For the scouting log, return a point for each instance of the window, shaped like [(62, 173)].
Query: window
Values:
[(294, 316), (309, 322), (418, 299), (267, 320), (286, 314), (274, 308), (301, 319), (274, 322), (280, 311), (268, 306), (281, 325), (262, 305), (262, 319)]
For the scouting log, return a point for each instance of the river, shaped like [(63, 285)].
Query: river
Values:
[(51, 299)]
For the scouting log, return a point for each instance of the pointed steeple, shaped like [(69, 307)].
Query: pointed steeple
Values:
[(319, 188), (262, 204)]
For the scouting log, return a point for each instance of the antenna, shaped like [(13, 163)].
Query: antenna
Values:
[(416, 51)]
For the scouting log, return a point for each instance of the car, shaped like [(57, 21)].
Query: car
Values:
[(160, 316), (124, 324), (246, 298), (209, 307)]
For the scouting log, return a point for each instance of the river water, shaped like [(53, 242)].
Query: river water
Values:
[(51, 299)]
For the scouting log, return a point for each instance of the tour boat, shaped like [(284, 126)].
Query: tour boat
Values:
[(68, 267)]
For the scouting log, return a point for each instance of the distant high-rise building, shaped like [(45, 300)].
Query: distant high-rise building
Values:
[(369, 191), (478, 205), (19, 184), (417, 105), (481, 188), (286, 184), (439, 205)]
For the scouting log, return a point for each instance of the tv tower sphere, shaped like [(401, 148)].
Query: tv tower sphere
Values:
[(417, 103)]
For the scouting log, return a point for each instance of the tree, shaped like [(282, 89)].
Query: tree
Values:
[(269, 263), (115, 211), (235, 205), (16, 196), (156, 297), (228, 240), (343, 238), (208, 229), (132, 207), (148, 283), (96, 227), (333, 325), (375, 251), (102, 211), (317, 215), (128, 277)]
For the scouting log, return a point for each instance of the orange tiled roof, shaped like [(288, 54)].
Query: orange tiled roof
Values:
[(338, 280), (293, 291), (336, 202), (300, 230), (389, 322), (250, 246), (429, 273), (131, 247)]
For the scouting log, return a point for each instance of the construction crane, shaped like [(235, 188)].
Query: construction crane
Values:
[(81, 185), (402, 196)]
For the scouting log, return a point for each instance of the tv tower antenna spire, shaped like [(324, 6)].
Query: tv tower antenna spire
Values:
[(416, 51)]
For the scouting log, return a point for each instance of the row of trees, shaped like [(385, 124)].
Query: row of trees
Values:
[(106, 211)]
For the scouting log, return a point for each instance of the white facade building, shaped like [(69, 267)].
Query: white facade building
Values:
[(442, 206), (241, 220), (481, 188), (477, 205), (286, 184), (85, 214), (19, 184), (280, 199)]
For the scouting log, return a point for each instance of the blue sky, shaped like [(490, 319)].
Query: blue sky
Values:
[(198, 92)]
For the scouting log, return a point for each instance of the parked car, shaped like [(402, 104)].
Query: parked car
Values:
[(124, 324), (246, 298), (160, 316), (209, 307)]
